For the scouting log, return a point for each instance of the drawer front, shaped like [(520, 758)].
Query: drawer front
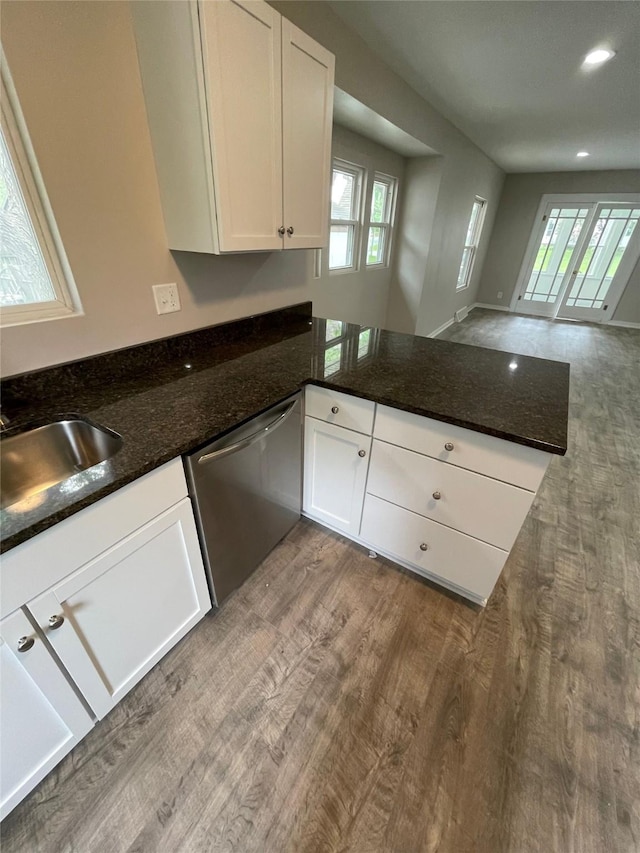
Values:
[(455, 557), (480, 506), (350, 412), (494, 457)]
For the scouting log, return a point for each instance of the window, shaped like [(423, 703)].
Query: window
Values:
[(35, 279), (380, 220), (346, 188), (471, 242)]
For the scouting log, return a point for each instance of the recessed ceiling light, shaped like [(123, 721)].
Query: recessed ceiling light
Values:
[(598, 56), (582, 154)]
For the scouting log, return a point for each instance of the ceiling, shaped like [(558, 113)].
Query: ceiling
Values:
[(508, 73), (354, 115)]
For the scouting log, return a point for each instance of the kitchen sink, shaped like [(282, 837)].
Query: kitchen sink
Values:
[(38, 458)]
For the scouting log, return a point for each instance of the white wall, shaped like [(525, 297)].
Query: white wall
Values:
[(360, 296), (515, 219)]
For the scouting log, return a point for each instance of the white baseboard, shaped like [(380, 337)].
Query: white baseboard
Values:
[(490, 307), (461, 314), (441, 328), (623, 324)]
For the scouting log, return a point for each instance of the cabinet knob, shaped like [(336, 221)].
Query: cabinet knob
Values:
[(281, 230), (448, 446), (436, 496), (290, 231), (25, 643), (335, 410), (424, 547), (56, 621), (362, 453)]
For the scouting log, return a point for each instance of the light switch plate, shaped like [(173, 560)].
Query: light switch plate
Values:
[(166, 298)]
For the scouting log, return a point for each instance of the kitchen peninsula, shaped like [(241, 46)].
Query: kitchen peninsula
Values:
[(427, 452), (167, 397)]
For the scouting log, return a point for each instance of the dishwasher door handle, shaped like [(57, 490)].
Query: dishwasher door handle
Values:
[(250, 439)]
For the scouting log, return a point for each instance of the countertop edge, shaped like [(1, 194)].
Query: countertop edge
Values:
[(22, 536)]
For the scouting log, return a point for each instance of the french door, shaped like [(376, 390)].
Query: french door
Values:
[(580, 259)]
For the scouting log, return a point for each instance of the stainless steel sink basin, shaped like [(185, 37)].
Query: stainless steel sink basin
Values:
[(32, 461)]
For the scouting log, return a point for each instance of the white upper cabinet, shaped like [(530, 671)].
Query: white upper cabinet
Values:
[(307, 117), (239, 103)]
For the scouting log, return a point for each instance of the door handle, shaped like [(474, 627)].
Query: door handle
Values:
[(250, 439)]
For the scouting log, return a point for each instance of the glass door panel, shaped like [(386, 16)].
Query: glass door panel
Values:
[(546, 279), (600, 263)]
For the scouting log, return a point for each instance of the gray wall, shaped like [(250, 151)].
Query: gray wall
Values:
[(515, 218), (462, 180), (360, 296), (465, 171), (413, 241), (76, 73)]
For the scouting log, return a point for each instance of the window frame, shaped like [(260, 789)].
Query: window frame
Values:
[(66, 302), (359, 175), (471, 249), (386, 226)]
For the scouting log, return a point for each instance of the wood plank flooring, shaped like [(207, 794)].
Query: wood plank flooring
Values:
[(337, 703)]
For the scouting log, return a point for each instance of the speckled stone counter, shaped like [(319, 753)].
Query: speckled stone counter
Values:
[(169, 397)]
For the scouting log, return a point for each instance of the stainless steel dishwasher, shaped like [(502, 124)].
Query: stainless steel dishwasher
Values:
[(246, 489)]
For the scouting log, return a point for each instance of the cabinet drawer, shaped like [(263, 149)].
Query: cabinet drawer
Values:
[(454, 557), (495, 457), (480, 506), (351, 412)]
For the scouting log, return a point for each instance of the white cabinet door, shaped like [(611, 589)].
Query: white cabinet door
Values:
[(42, 719), (233, 92), (335, 474), (307, 119), (242, 54), (124, 610)]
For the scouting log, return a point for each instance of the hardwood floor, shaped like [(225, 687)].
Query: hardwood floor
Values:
[(337, 703)]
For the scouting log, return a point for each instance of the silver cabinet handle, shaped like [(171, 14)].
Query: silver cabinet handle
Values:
[(281, 230), (362, 453), (25, 643), (436, 496), (424, 547), (448, 446), (56, 621), (290, 231), (335, 410)]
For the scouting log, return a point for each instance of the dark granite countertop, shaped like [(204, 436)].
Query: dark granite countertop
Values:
[(171, 399)]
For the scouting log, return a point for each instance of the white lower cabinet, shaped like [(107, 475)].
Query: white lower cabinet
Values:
[(116, 617), (42, 718), (335, 474), (480, 506), (444, 501), (106, 593), (447, 555)]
